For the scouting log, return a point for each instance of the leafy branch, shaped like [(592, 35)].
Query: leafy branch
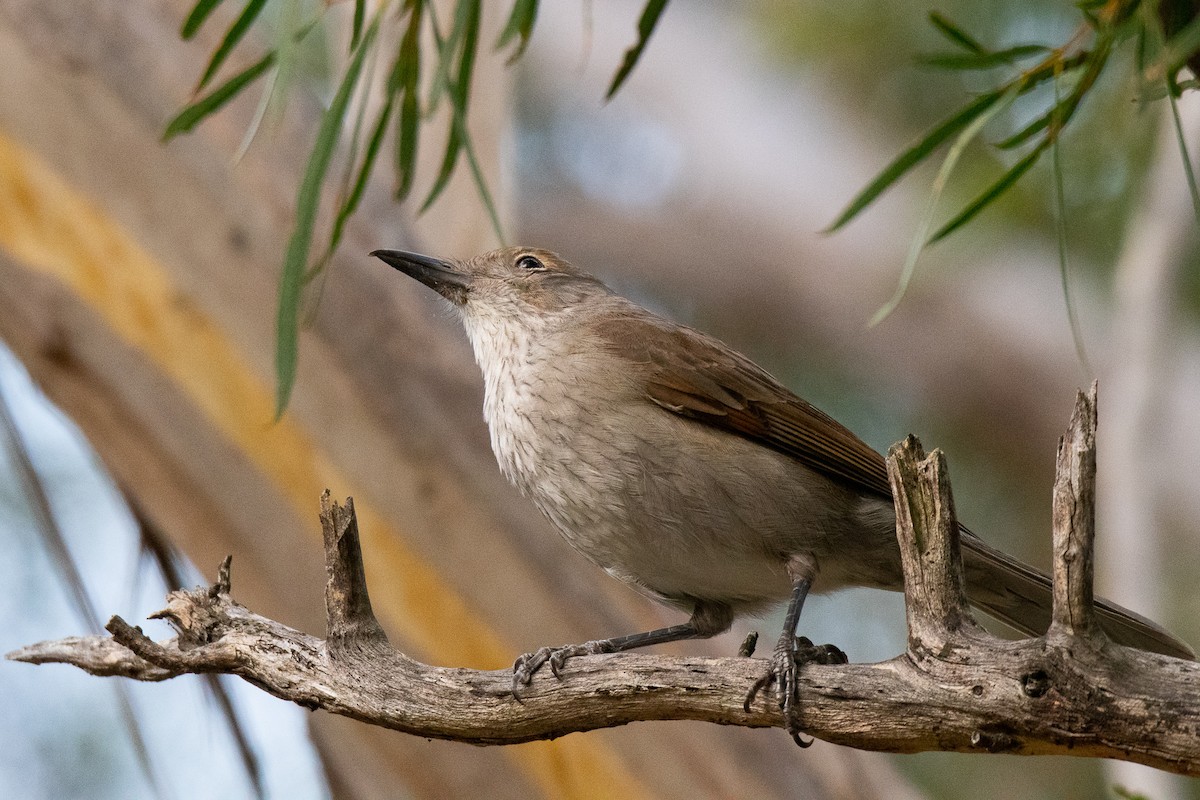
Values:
[(403, 107), (1168, 38)]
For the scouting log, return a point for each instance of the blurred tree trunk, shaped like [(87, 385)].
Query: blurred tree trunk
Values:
[(137, 285), (1146, 322)]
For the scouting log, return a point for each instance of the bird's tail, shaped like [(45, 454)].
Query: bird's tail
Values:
[(1020, 596)]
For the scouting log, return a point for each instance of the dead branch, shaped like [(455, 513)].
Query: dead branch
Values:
[(957, 688)]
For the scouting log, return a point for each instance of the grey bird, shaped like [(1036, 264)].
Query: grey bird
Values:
[(681, 467)]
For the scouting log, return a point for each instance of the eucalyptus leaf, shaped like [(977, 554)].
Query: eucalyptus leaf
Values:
[(953, 154), (646, 24), (1060, 230), (354, 197), (972, 61), (992, 193), (914, 155), (520, 23), (405, 79), (308, 200), (955, 34), (196, 18), (232, 37), (465, 36), (192, 114), (356, 27)]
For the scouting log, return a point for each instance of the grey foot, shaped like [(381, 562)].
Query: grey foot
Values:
[(783, 670), (527, 665)]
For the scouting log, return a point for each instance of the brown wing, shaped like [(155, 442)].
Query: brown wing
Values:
[(695, 376)]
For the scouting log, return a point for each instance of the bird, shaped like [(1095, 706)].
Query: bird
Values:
[(682, 468)]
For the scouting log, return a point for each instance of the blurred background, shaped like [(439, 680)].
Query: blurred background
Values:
[(137, 306)]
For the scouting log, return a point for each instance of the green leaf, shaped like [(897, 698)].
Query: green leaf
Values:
[(1187, 160), (646, 24), (993, 192), (520, 22), (356, 29), (350, 204), (467, 35), (406, 142), (969, 61), (955, 34), (1061, 112), (232, 37), (197, 17), (448, 49), (914, 155), (405, 78), (449, 159), (481, 183), (470, 42), (190, 116), (1060, 229), (1036, 126), (307, 201), (917, 243)]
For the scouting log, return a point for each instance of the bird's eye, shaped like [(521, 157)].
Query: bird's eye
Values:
[(530, 263)]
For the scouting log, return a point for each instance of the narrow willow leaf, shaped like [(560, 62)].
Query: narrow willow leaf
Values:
[(646, 24), (350, 192), (470, 43), (356, 28), (260, 113), (197, 17), (1059, 114), (1060, 230), (459, 91), (453, 147), (232, 37), (520, 23), (406, 78), (481, 183), (969, 61), (953, 154), (308, 199), (1187, 159), (1029, 131), (914, 155), (406, 142), (191, 116), (955, 34), (350, 204), (447, 50), (992, 193)]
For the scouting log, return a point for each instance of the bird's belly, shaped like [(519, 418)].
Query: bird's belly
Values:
[(710, 516)]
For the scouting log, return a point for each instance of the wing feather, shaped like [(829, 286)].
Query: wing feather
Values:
[(693, 375)]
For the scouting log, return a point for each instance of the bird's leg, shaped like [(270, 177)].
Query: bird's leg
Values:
[(707, 620), (783, 668)]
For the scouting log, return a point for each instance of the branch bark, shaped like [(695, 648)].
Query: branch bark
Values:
[(956, 688)]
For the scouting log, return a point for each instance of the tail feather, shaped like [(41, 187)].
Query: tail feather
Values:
[(1020, 596)]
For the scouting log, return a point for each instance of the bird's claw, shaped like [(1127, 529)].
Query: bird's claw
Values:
[(527, 665), (783, 670)]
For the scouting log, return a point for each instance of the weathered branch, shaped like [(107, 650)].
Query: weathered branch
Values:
[(956, 688), (1074, 514)]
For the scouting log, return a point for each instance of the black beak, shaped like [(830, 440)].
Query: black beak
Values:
[(439, 275)]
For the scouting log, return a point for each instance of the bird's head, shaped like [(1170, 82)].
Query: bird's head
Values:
[(516, 281)]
